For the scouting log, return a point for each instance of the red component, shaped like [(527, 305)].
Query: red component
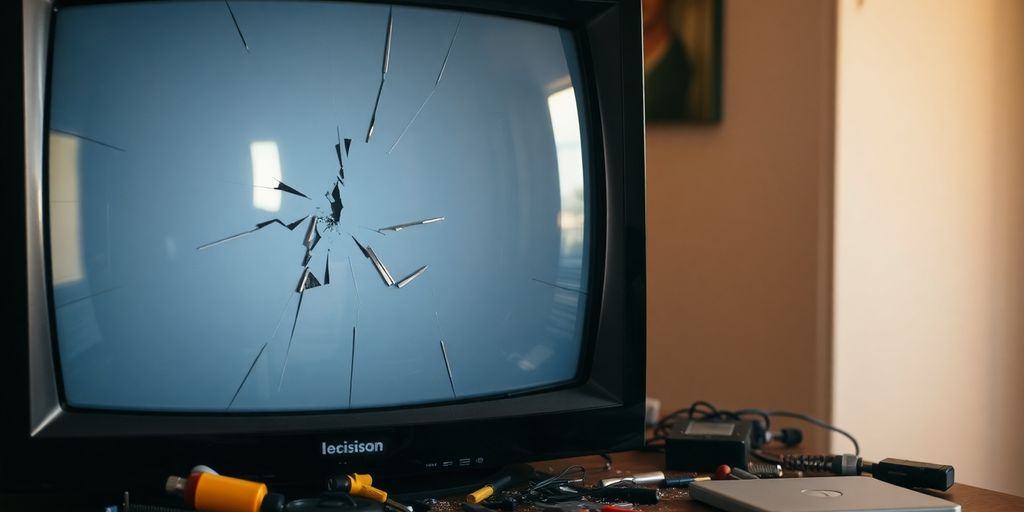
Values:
[(190, 489), (613, 508), (722, 472)]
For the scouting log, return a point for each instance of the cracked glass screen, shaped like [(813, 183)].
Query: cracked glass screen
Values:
[(271, 206)]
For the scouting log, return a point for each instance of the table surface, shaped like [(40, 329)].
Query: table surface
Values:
[(971, 499)]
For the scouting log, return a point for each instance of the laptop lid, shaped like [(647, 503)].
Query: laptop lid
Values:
[(824, 494)]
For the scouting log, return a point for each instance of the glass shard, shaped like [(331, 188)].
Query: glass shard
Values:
[(362, 248), (440, 74), (229, 238), (285, 188), (381, 269), (451, 43), (352, 367), (408, 279), (336, 205), (337, 150), (295, 322), (383, 74), (307, 281), (247, 373), (377, 264), (399, 227), (291, 227), (238, 28), (312, 238), (327, 268), (387, 43), (373, 116), (448, 368), (94, 141)]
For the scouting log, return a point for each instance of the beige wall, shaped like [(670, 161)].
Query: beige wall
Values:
[(739, 222), (929, 272)]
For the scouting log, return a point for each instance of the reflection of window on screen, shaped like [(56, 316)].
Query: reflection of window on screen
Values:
[(566, 127), (358, 206)]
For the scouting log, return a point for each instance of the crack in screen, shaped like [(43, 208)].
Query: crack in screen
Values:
[(477, 195)]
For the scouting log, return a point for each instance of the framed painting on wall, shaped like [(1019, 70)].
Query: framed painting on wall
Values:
[(683, 60)]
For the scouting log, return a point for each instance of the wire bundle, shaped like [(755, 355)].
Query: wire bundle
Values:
[(701, 410)]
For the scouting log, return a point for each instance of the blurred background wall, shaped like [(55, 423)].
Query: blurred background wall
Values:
[(739, 222), (848, 241), (929, 245)]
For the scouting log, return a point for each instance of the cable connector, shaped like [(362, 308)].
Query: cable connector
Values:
[(842, 465), (904, 473), (908, 473)]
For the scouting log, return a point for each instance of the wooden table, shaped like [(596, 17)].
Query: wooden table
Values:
[(971, 499)]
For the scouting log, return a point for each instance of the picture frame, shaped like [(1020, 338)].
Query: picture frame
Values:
[(683, 60)]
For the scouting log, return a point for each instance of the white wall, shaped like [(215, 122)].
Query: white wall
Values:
[(929, 237)]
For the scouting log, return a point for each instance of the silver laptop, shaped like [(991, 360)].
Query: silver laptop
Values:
[(824, 494)]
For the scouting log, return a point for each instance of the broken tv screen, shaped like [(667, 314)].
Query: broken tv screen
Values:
[(271, 206)]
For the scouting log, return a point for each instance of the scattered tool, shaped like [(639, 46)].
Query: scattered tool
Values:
[(486, 491), (358, 484), (206, 491), (683, 481), (654, 477)]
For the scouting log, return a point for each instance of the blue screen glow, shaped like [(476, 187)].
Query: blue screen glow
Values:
[(290, 206)]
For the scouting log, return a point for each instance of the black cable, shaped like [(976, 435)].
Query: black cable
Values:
[(698, 403), (819, 423), (560, 478), (551, 488), (703, 410), (757, 412)]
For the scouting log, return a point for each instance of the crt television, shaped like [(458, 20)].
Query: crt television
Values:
[(294, 239)]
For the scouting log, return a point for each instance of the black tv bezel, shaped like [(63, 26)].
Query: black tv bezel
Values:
[(602, 413)]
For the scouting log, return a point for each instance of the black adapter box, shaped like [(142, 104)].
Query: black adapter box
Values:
[(702, 446)]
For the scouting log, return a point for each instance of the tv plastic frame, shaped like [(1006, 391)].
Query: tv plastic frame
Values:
[(44, 441)]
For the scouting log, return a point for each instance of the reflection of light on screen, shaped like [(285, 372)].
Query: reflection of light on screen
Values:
[(535, 357), (565, 124), (266, 174), (65, 210)]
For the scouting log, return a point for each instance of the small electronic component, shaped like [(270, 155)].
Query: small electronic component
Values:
[(765, 469), (486, 491), (908, 473), (683, 481), (702, 446), (654, 477), (742, 474), (210, 492), (904, 473), (358, 484)]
